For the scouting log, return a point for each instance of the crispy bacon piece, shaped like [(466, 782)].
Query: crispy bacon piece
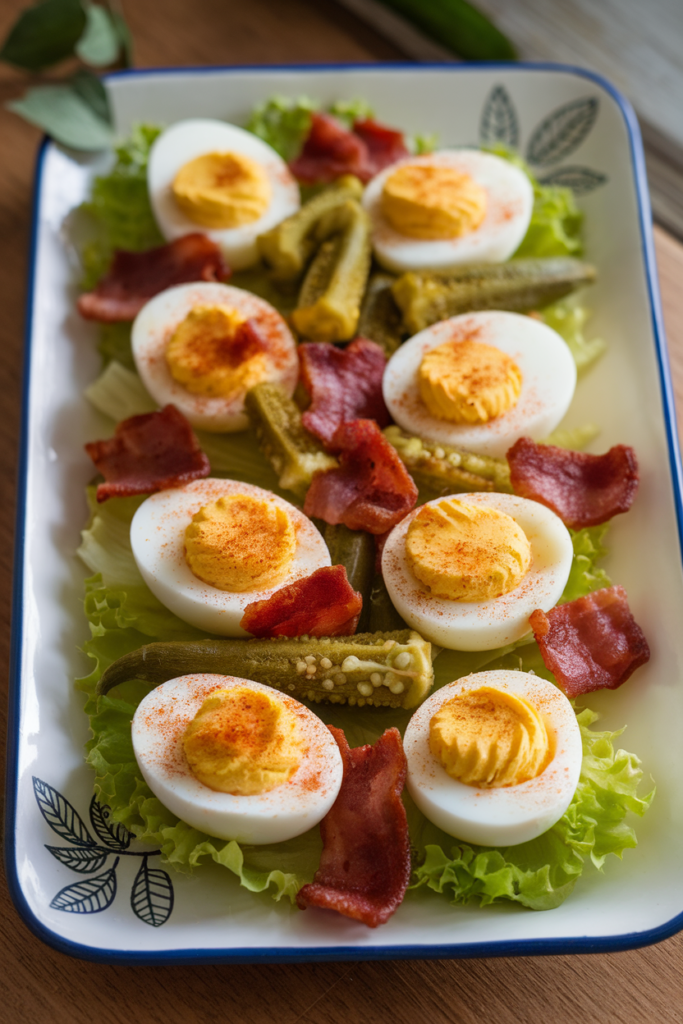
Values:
[(344, 384), (134, 277), (371, 490), (148, 453), (385, 145), (365, 864), (331, 150), (582, 489), (592, 643), (322, 604)]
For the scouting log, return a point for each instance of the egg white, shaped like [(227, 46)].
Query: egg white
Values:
[(483, 625), (158, 319), (506, 815), (185, 141), (548, 381), (510, 200), (273, 817), (157, 537)]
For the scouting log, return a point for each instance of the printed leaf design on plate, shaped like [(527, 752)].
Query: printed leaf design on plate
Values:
[(562, 132), (89, 897), (499, 121), (60, 815), (580, 180), (112, 833), (152, 895), (83, 859)]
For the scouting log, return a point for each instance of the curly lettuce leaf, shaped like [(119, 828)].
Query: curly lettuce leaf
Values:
[(568, 317), (283, 122), (541, 874)]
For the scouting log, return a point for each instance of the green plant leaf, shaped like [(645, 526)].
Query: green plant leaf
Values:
[(100, 43), (92, 91), (65, 115), (44, 35)]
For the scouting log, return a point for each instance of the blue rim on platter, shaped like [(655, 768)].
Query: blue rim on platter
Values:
[(546, 946)]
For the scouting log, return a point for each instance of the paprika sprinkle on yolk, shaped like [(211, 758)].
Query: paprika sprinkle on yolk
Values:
[(240, 543), (469, 382), (242, 741), (207, 356), (432, 201)]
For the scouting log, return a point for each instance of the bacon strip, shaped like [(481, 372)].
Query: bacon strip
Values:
[(365, 864), (344, 384), (331, 150), (385, 145), (592, 643), (148, 453), (322, 604), (371, 490), (582, 489), (134, 277)]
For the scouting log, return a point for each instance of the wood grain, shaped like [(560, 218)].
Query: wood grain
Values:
[(40, 985)]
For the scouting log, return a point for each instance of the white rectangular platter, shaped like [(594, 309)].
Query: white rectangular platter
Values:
[(628, 394)]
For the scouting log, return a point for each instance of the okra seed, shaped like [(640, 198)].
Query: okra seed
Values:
[(390, 678), (397, 687), (310, 659), (340, 678), (310, 671), (325, 663), (301, 667), (361, 702), (291, 686), (365, 689), (328, 684), (403, 660), (439, 453), (376, 679)]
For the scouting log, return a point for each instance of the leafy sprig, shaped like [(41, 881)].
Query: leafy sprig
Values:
[(75, 110)]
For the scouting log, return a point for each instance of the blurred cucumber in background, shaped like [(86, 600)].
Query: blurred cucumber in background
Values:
[(458, 26)]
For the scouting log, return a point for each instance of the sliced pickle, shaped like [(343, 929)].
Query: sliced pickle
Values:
[(287, 248), (329, 301), (380, 318), (444, 469), (378, 669), (294, 453), (518, 285)]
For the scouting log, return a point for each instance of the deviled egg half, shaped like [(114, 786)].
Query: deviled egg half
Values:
[(494, 758), (215, 177), (208, 549), (202, 346), (448, 208), (235, 758), (467, 571)]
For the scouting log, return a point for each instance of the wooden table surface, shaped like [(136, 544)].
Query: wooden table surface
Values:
[(38, 984)]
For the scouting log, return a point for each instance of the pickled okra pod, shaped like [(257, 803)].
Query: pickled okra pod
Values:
[(293, 452), (444, 469), (380, 318), (379, 669), (355, 550), (518, 285), (329, 301), (287, 248)]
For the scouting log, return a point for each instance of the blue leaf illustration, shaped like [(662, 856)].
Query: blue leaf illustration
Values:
[(499, 119), (579, 179), (152, 895), (89, 897), (60, 815), (83, 859), (562, 132), (113, 834)]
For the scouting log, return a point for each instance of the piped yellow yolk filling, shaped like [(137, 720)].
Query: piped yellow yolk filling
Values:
[(222, 190), (466, 552), (240, 543), (432, 202), (204, 356), (243, 742), (490, 738), (468, 382)]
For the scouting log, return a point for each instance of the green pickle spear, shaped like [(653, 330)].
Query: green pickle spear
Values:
[(518, 286), (391, 669), (444, 469)]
